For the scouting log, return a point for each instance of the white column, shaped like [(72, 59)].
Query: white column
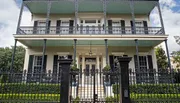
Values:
[(97, 64), (104, 61), (83, 67), (154, 60), (77, 60), (83, 62), (97, 61)]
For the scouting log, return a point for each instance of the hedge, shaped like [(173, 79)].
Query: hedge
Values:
[(148, 98), (152, 88), (30, 97), (29, 88)]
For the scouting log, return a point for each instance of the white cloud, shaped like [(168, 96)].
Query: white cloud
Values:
[(8, 20), (10, 12), (171, 22)]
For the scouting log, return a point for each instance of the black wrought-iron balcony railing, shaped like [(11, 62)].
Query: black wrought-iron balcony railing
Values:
[(91, 30)]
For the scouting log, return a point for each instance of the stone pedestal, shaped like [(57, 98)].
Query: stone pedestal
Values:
[(65, 80), (124, 89)]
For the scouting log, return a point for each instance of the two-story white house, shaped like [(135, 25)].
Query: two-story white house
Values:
[(92, 32)]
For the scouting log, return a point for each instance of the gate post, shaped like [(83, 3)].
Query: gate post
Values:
[(124, 89), (64, 89)]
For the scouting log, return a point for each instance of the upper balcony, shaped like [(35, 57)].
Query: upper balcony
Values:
[(89, 30), (112, 6)]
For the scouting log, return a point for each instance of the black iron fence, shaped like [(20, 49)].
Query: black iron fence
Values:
[(29, 87), (91, 85)]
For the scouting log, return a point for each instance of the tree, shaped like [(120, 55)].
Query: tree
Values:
[(6, 55), (161, 58), (176, 58)]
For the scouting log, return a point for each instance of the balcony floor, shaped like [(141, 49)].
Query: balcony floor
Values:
[(113, 40)]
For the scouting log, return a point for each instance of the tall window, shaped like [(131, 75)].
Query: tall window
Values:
[(141, 75), (116, 26), (41, 27), (37, 65), (139, 27)]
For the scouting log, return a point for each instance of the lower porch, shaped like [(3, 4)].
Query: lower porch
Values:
[(88, 57)]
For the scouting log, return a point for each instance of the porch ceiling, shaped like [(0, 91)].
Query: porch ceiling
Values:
[(67, 6), (56, 43)]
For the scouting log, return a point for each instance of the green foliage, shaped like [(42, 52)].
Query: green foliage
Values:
[(161, 58), (30, 88), (147, 98), (74, 66), (76, 100), (6, 55), (112, 99), (151, 88), (26, 98), (107, 68), (176, 58)]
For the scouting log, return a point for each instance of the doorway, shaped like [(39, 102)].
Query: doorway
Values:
[(90, 66)]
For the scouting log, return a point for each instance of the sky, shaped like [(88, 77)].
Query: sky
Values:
[(9, 10)]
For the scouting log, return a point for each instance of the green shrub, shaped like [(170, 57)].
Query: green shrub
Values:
[(76, 100), (30, 97), (112, 99), (29, 88), (147, 98), (151, 88)]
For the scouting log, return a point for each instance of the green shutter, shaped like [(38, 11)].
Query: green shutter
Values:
[(45, 63), (35, 27), (55, 64), (31, 57)]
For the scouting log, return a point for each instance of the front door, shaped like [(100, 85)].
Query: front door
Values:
[(90, 68)]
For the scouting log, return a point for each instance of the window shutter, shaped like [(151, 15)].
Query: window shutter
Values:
[(145, 27), (35, 27), (109, 26), (81, 29), (151, 74), (123, 27), (48, 28), (138, 76), (30, 66), (71, 23), (69, 56), (150, 62), (45, 62), (135, 62), (31, 57), (55, 64), (58, 25), (132, 27), (111, 62)]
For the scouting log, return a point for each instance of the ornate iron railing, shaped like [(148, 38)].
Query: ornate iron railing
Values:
[(89, 30), (145, 86)]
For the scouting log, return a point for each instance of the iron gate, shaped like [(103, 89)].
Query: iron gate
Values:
[(93, 86)]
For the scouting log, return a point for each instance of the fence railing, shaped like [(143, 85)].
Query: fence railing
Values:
[(28, 87), (90, 30), (145, 86)]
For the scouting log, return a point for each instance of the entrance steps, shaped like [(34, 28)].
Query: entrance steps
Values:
[(87, 91)]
